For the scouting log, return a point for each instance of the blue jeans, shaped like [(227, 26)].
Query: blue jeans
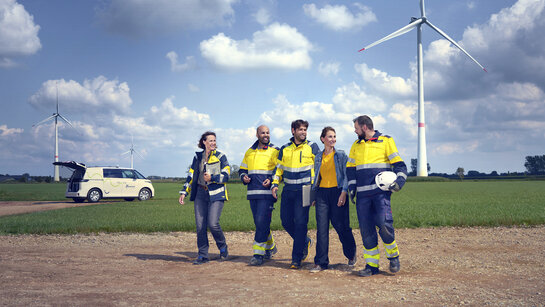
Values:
[(295, 221), (207, 215), (375, 211), (327, 210)]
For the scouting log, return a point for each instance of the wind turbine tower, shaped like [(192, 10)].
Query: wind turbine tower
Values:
[(422, 159), (55, 117), (132, 151)]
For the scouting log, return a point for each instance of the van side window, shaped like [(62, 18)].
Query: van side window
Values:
[(112, 173)]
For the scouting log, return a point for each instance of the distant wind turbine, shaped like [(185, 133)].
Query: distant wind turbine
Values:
[(55, 116), (132, 151), (422, 160)]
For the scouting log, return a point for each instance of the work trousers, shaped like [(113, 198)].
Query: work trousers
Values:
[(326, 211), (375, 211), (262, 212), (295, 221), (207, 215)]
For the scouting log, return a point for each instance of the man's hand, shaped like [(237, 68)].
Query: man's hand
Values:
[(181, 200), (274, 190), (394, 187), (246, 179), (267, 183)]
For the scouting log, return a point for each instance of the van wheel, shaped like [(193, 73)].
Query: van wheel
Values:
[(78, 199), (144, 194), (128, 199), (94, 195)]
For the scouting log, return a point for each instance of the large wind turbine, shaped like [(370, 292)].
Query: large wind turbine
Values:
[(132, 151), (55, 116), (422, 162)]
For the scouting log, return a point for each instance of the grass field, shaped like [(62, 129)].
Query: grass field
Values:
[(419, 204)]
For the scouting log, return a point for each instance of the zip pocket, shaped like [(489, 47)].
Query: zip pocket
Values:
[(301, 157)]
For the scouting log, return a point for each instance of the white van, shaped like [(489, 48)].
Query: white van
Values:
[(95, 183)]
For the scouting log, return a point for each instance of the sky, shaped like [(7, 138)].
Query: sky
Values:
[(162, 72)]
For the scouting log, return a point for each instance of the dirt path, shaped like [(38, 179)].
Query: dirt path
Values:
[(444, 266), (20, 207)]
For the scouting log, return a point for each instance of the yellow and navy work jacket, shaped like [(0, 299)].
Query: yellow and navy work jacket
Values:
[(367, 158), (295, 165), (219, 169), (259, 165)]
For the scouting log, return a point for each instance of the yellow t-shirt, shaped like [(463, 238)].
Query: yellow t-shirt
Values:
[(328, 173)]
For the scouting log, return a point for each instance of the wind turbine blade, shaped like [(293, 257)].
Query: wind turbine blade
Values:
[(43, 121), (454, 43), (397, 33), (66, 120), (126, 152), (136, 152)]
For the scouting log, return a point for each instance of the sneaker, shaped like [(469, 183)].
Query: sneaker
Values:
[(200, 260), (394, 265), (224, 254), (368, 271), (295, 265), (269, 253), (256, 260), (316, 268), (352, 262), (307, 247)]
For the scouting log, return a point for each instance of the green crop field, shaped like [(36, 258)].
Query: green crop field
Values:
[(419, 204)]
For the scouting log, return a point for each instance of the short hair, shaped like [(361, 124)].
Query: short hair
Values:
[(298, 123), (364, 120), (325, 130), (203, 138)]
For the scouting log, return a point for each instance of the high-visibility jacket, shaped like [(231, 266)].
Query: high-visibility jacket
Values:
[(368, 158), (259, 165), (295, 165), (219, 169)]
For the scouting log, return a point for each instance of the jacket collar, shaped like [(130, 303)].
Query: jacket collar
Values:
[(292, 140), (256, 144), (372, 139)]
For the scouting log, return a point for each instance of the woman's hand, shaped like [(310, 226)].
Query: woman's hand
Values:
[(342, 199), (207, 177), (181, 200)]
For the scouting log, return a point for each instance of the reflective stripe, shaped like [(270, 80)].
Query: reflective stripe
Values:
[(270, 242), (350, 160), (371, 256), (216, 191), (401, 174), (276, 178), (366, 188), (296, 169), (391, 250), (392, 156), (297, 181), (352, 182), (220, 155), (371, 252), (260, 172), (244, 165), (259, 192), (373, 165), (227, 170)]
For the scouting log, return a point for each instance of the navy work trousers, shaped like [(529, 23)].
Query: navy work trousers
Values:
[(207, 215), (326, 211), (375, 211), (262, 211), (295, 221)]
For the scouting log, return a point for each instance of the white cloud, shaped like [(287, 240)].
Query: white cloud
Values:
[(169, 115), (99, 95), (175, 66), (5, 131), (339, 17), (18, 32), (351, 98), (277, 46), (193, 88), (384, 83), (144, 17), (262, 16), (327, 69)]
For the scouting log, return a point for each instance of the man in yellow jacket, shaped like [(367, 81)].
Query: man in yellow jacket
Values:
[(371, 154), (295, 166)]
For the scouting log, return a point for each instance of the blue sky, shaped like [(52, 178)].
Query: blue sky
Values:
[(166, 71)]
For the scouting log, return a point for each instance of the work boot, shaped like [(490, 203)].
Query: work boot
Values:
[(368, 271), (269, 253), (224, 254), (200, 260), (256, 260), (394, 265), (352, 262), (295, 265)]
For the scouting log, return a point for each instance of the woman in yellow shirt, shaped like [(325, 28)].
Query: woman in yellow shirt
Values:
[(331, 202)]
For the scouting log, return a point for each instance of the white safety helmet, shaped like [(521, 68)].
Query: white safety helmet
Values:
[(385, 179)]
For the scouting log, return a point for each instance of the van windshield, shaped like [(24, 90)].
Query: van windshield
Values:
[(138, 175)]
